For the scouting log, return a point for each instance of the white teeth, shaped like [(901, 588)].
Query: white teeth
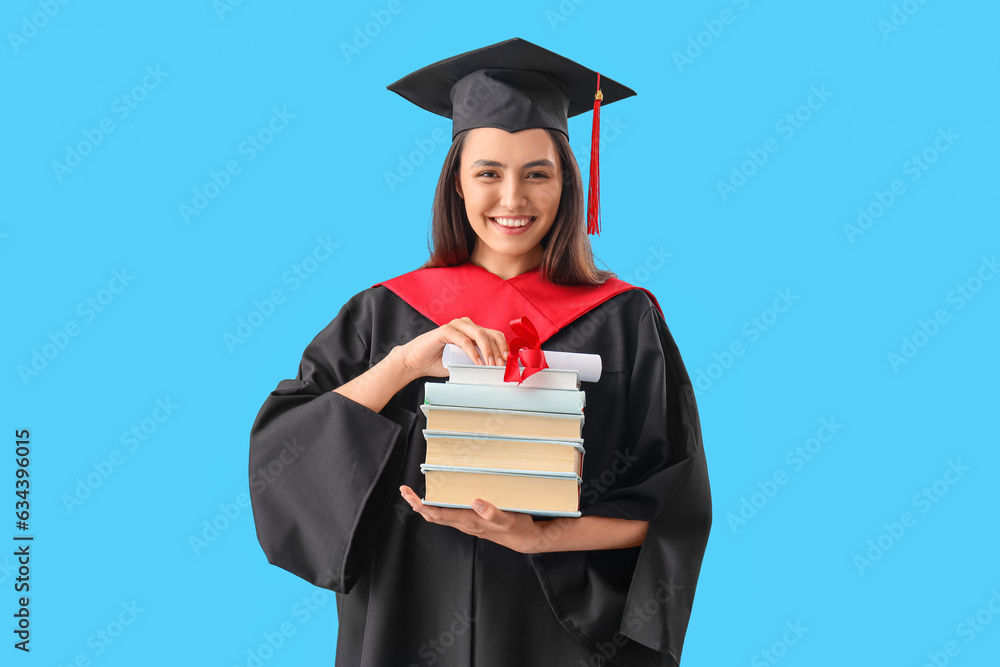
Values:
[(512, 222)]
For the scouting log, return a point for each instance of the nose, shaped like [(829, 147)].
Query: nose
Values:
[(512, 194)]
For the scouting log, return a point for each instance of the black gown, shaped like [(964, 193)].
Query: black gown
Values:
[(414, 593)]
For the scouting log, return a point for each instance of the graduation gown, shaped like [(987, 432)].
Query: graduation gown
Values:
[(414, 593)]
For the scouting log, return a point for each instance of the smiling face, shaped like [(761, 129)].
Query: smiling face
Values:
[(511, 184)]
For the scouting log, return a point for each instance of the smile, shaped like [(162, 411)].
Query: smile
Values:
[(514, 223)]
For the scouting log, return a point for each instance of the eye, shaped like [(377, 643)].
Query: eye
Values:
[(486, 174), (536, 175)]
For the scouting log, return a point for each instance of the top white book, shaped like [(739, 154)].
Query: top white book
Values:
[(547, 378), (586, 367)]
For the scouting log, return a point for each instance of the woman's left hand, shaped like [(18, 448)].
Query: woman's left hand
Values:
[(514, 530)]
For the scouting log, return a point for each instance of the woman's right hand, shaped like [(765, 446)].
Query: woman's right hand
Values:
[(422, 355)]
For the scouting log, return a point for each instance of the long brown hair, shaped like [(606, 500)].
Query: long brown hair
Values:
[(567, 257)]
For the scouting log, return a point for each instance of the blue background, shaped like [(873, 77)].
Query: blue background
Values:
[(713, 90)]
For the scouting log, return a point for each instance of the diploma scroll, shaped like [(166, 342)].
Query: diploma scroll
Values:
[(589, 365)]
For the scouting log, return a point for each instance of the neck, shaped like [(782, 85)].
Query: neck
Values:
[(507, 267)]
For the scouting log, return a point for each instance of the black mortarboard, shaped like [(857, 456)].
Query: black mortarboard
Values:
[(515, 85)]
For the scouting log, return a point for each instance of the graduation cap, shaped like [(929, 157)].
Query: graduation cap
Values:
[(516, 85)]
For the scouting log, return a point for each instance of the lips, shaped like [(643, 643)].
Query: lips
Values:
[(513, 223)]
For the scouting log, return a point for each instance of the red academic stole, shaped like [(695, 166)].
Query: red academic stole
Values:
[(446, 293)]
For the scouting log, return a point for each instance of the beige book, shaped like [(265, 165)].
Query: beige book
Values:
[(533, 494), (466, 450), (551, 425)]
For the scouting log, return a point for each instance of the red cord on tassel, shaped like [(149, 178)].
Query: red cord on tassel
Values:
[(594, 189)]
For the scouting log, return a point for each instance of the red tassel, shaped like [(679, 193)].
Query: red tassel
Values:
[(594, 190)]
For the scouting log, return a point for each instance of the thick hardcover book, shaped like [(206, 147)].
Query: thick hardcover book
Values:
[(465, 450), (547, 425), (548, 495)]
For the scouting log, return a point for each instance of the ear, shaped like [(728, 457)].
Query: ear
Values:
[(458, 186)]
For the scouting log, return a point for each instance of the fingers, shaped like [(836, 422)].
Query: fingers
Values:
[(510, 529), (489, 512), (472, 336), (447, 516), (501, 344), (422, 355), (428, 512), (472, 522), (492, 344), (443, 515)]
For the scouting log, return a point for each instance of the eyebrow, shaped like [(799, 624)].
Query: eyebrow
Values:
[(529, 165)]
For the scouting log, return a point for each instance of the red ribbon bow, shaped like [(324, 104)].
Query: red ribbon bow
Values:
[(526, 348)]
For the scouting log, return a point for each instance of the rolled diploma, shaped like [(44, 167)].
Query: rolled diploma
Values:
[(589, 365)]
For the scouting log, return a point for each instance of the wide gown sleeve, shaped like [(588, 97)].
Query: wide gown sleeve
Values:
[(323, 467), (632, 605)]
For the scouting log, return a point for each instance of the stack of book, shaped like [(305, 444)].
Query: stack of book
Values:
[(518, 447)]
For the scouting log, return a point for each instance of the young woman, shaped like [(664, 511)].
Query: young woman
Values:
[(424, 585)]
